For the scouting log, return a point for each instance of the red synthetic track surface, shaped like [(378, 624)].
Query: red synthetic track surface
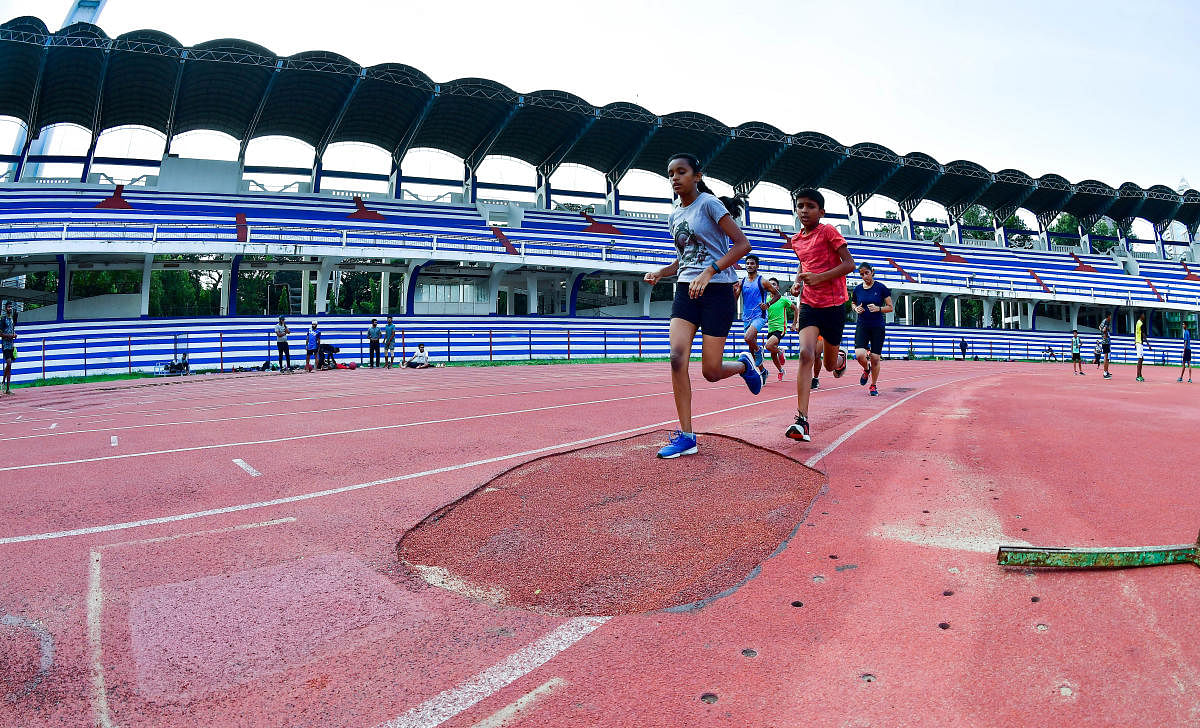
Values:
[(288, 605)]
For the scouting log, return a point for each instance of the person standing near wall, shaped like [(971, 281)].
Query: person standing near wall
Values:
[(1106, 341), (374, 334), (8, 343), (1187, 355), (281, 345), (389, 342), (312, 344), (1140, 343), (1076, 353)]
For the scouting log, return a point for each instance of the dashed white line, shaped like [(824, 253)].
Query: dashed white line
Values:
[(242, 464), (95, 602), (113, 441), (450, 703)]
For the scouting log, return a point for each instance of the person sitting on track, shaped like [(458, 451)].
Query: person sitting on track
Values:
[(419, 360)]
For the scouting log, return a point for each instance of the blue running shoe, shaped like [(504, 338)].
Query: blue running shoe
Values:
[(678, 444), (752, 376), (758, 358)]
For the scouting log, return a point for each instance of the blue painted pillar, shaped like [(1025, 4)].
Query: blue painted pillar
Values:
[(410, 295), (234, 267), (544, 192), (316, 175), (397, 180), (64, 284), (573, 296)]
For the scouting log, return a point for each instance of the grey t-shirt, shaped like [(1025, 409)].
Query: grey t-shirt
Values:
[(280, 332), (698, 239)]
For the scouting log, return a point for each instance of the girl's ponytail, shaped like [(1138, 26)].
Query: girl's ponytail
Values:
[(734, 205)]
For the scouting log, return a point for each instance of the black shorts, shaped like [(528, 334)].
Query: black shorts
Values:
[(777, 334), (10, 354), (1106, 346), (869, 338), (1187, 356), (829, 321), (1075, 356), (713, 313)]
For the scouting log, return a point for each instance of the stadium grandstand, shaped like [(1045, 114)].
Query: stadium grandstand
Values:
[(557, 275)]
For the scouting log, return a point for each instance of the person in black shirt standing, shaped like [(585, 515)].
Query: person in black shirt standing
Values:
[(872, 299)]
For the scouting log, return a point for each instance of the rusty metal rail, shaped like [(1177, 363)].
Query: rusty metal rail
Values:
[(1099, 558)]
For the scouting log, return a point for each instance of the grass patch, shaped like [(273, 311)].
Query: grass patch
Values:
[(52, 381)]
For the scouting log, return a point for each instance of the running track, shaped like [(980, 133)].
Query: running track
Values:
[(221, 551)]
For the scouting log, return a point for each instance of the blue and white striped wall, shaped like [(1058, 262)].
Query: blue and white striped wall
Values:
[(76, 348)]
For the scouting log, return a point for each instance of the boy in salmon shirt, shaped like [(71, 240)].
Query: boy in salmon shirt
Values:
[(821, 284)]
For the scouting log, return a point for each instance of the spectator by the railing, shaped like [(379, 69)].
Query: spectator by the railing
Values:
[(389, 342), (374, 334), (419, 360), (962, 347), (8, 342), (281, 345), (312, 346)]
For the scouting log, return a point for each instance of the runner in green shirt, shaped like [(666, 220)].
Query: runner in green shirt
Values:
[(777, 322), (1076, 353)]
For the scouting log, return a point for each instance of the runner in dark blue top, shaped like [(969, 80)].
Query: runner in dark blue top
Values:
[(872, 299)]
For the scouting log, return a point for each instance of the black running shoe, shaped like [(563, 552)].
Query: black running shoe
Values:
[(798, 430), (816, 383)]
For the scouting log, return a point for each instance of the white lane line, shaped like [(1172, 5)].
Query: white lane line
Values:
[(242, 464), (291, 438), (812, 461), (450, 703), (305, 412), (310, 411), (113, 441), (522, 706), (95, 601), (53, 425), (345, 489)]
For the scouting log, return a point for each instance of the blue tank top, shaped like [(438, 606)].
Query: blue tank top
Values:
[(751, 298)]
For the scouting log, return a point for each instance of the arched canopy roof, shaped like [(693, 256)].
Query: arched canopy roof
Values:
[(79, 75)]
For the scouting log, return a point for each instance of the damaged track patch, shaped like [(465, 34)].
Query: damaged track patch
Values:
[(610, 529)]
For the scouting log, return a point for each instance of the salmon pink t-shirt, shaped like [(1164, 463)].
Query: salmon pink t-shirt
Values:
[(817, 252)]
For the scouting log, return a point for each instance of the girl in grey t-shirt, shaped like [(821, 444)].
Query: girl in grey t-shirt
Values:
[(708, 243)]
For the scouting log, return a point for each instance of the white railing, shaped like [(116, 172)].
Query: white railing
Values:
[(645, 215), (977, 242), (1058, 248), (1144, 256)]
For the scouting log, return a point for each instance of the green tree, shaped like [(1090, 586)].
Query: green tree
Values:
[(977, 216), (1068, 223)]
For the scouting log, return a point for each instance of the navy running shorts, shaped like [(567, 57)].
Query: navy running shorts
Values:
[(829, 321), (713, 312), (869, 338)]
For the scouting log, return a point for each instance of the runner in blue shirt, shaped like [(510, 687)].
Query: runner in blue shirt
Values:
[(1187, 355), (754, 308)]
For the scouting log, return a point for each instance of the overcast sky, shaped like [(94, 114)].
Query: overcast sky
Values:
[(1094, 89)]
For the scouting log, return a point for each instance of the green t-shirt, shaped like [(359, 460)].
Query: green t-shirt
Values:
[(779, 313)]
